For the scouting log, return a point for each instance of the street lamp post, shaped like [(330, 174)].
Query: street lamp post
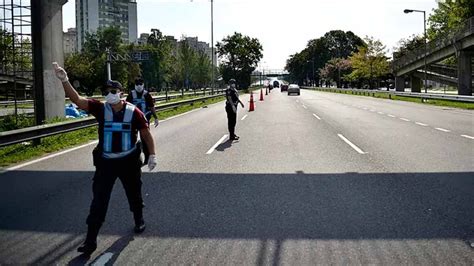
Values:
[(212, 46), (406, 11)]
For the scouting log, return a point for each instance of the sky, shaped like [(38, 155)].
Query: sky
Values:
[(283, 27)]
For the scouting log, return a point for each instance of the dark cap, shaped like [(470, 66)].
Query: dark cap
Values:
[(232, 81), (114, 84), (138, 81)]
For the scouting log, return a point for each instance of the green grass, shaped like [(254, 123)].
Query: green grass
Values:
[(26, 151), (445, 103)]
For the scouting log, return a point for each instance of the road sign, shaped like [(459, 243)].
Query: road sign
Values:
[(139, 56), (134, 56)]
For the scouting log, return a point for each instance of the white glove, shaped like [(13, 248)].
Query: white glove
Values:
[(60, 72), (156, 122), (152, 162)]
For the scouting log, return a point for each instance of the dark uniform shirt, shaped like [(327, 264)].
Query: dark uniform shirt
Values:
[(233, 95), (148, 99), (96, 108)]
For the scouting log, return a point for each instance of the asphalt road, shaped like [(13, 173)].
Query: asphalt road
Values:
[(317, 179)]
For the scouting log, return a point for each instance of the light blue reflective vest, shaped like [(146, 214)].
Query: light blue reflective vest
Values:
[(124, 128), (139, 102)]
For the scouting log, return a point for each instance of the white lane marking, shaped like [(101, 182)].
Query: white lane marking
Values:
[(404, 119), (372, 110), (392, 116), (381, 113), (442, 129), (351, 144), (304, 106), (50, 156), (319, 118), (467, 136), (365, 108), (421, 124), (103, 259), (211, 150), (245, 116)]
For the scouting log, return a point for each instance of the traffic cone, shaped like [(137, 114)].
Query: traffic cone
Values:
[(261, 94), (251, 105)]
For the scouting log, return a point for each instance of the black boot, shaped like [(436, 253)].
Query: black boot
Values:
[(139, 222), (90, 244)]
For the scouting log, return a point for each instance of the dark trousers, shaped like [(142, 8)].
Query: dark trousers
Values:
[(231, 119), (129, 173)]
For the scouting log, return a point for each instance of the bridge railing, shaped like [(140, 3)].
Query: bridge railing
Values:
[(466, 29)]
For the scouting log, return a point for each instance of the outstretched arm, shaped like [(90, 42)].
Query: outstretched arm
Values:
[(70, 92)]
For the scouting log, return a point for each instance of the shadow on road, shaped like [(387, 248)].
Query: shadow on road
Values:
[(251, 206), (224, 146), (116, 249)]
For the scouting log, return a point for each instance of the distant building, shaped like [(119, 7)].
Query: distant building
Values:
[(70, 41), (94, 14), (198, 46), (143, 38)]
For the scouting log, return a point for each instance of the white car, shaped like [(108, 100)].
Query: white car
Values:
[(293, 88)]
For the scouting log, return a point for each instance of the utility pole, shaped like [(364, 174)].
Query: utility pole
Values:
[(109, 59), (212, 46), (426, 50), (406, 11)]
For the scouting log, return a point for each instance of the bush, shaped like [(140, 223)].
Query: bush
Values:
[(12, 122)]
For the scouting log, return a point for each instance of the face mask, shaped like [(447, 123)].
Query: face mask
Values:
[(232, 86), (112, 98), (139, 88)]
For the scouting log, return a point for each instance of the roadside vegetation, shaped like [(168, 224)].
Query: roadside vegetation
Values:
[(382, 95), (26, 151), (344, 59)]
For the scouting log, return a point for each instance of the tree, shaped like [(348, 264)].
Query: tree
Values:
[(82, 69), (340, 44), (306, 65), (335, 70), (369, 63), (157, 71), (240, 55), (203, 70), (449, 15), (89, 66), (15, 53), (404, 46), (187, 66)]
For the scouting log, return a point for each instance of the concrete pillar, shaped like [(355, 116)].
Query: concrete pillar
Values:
[(399, 83), (464, 73), (52, 50), (415, 84)]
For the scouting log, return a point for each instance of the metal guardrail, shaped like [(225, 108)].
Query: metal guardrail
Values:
[(37, 132), (156, 98), (454, 98)]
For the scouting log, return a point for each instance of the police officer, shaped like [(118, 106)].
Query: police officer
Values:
[(232, 96), (143, 100), (117, 154)]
